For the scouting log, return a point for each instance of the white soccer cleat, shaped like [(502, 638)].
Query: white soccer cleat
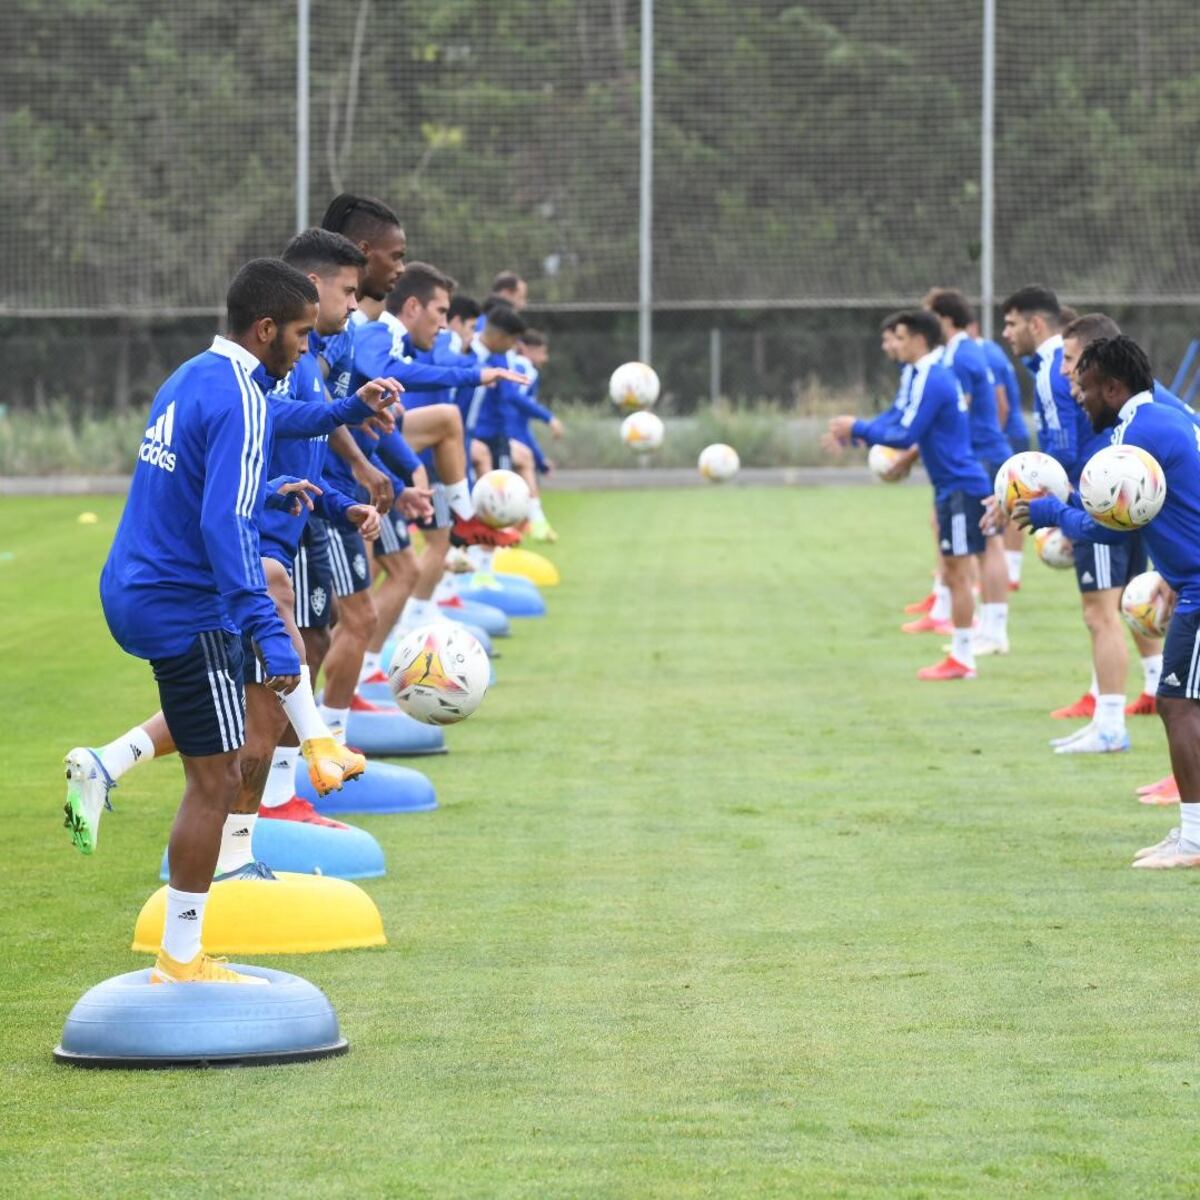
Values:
[(1094, 740), (88, 785), (984, 646), (1169, 843), (1170, 853), (1067, 739)]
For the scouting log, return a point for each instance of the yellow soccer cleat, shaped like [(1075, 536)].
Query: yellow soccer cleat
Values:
[(330, 764), (542, 531), (202, 969)]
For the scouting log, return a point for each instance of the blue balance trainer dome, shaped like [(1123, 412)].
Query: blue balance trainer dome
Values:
[(382, 788)]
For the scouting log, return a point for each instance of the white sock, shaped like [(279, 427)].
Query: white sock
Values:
[(1094, 690), (184, 920), (370, 664), (1110, 713), (482, 556), (1189, 826), (960, 647), (995, 622), (301, 709), (334, 720), (418, 612), (236, 839), (458, 496), (1014, 560), (535, 509), (1151, 673), (281, 781), (137, 746), (941, 603)]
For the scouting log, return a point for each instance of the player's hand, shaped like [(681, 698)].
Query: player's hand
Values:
[(1165, 594), (378, 484), (301, 492), (282, 685), (556, 427), (380, 423), (415, 503), (366, 519), (1020, 515), (378, 394), (903, 467), (841, 429), (994, 517), (548, 469), (490, 375)]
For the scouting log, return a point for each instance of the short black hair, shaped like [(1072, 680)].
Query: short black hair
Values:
[(923, 322), (322, 252), (951, 304), (267, 287), (890, 321), (506, 319), (419, 280), (464, 307), (358, 217), (534, 337), (1034, 298), (1119, 358), (506, 281)]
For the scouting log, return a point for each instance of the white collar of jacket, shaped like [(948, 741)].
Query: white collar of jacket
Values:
[(1045, 351), (235, 353), (1133, 404), (927, 360)]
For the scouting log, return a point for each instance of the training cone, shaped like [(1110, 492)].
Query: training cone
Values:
[(291, 914), (489, 618), (392, 733), (514, 601), (512, 560), (129, 1022), (382, 788), (347, 853)]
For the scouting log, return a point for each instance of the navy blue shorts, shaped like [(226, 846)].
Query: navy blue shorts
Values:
[(958, 524), (312, 578), (442, 517), (1099, 567), (501, 451), (393, 534), (1181, 658), (200, 692), (348, 558)]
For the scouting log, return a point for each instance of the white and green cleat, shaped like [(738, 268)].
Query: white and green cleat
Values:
[(88, 785)]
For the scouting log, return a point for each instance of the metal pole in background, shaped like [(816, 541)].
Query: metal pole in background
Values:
[(714, 366), (302, 16), (646, 191), (987, 238)]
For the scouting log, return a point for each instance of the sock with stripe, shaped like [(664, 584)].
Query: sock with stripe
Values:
[(184, 920), (281, 781), (371, 663), (418, 612), (301, 709), (137, 746), (535, 509), (960, 647), (1110, 713), (334, 719), (941, 603)]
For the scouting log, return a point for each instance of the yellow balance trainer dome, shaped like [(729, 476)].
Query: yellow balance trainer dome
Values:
[(512, 560), (292, 914)]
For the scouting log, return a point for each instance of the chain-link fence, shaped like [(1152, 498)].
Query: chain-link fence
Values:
[(822, 154)]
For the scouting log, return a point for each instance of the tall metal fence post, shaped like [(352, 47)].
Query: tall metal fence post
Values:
[(714, 366), (646, 188), (987, 231), (302, 38)]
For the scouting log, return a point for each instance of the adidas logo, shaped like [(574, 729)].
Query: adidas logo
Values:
[(1086, 577), (280, 766), (156, 449), (1172, 679), (243, 832), (137, 753), (190, 915), (945, 544)]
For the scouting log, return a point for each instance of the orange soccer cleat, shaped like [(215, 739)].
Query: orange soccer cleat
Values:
[(1144, 706), (1164, 796), (927, 624), (921, 606), (1083, 709), (948, 668)]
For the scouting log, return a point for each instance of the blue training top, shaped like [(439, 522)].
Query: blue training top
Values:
[(1004, 374), (968, 362), (1063, 428)]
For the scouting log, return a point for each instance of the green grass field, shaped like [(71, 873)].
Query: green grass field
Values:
[(719, 901)]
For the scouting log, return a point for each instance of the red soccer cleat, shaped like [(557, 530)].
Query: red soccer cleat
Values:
[(359, 704), (1166, 794), (1144, 706), (1083, 709), (376, 676), (299, 809), (1157, 785), (1014, 585), (475, 533), (927, 624), (948, 668), (921, 606), (453, 602)]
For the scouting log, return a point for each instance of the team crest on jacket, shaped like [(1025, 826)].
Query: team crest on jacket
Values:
[(360, 566), (317, 600)]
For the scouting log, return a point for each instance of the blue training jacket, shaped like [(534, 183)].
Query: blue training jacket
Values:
[(969, 364)]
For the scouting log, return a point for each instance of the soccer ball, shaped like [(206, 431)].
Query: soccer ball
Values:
[(501, 499), (1054, 548), (1143, 611), (881, 459), (1028, 475), (719, 462), (642, 431), (1122, 487), (633, 385), (439, 673)]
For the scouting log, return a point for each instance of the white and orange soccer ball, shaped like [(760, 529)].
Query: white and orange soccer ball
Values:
[(881, 459), (1145, 611), (1054, 548), (719, 462), (1028, 475), (1123, 487), (642, 431), (439, 673), (501, 499), (634, 385)]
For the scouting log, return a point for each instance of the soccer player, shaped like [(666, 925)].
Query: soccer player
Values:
[(183, 580), (533, 352), (932, 414), (512, 289), (966, 359), (1116, 388), (1032, 328)]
